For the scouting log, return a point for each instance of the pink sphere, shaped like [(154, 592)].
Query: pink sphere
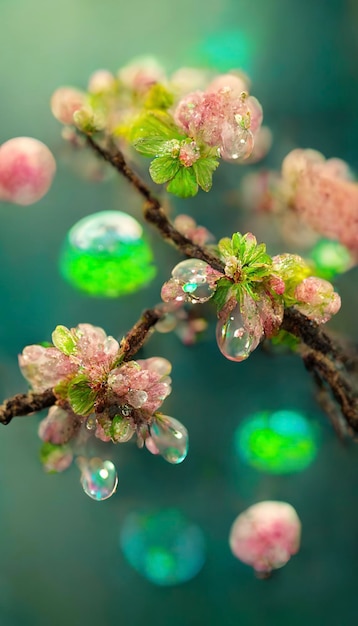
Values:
[(27, 168), (266, 535)]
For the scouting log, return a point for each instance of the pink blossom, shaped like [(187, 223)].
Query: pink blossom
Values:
[(44, 368), (141, 74), (27, 168), (221, 118), (266, 535), (149, 376), (234, 83), (317, 299), (59, 426), (95, 351), (189, 153), (101, 81), (321, 192), (188, 227)]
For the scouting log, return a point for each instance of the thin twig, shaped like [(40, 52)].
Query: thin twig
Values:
[(322, 356)]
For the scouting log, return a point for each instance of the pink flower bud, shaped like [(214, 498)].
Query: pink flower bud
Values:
[(266, 535), (27, 168), (100, 81), (317, 299), (65, 102)]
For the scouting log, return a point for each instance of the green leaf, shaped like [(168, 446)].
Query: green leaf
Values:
[(238, 245), (64, 340), (221, 294), (80, 395), (163, 169), (158, 97), (155, 124), (184, 183), (61, 389), (150, 146), (225, 247), (204, 169)]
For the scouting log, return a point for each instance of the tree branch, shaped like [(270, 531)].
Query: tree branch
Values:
[(323, 357)]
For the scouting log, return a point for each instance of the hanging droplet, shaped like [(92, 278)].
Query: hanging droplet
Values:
[(91, 422), (192, 274), (237, 143), (99, 478), (234, 341), (105, 255), (121, 430), (126, 410), (163, 546), (170, 437)]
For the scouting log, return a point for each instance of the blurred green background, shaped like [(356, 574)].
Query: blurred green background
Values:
[(60, 561)]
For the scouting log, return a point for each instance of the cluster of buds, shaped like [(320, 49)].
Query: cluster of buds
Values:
[(99, 393), (185, 122), (252, 292)]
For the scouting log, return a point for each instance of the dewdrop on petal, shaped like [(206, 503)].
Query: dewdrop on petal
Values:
[(194, 278), (266, 535), (27, 168)]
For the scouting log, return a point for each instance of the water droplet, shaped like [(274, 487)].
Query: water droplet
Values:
[(137, 398), (105, 255), (164, 547), (192, 274), (98, 478), (121, 430), (170, 437), (91, 423), (237, 144), (234, 341), (126, 410)]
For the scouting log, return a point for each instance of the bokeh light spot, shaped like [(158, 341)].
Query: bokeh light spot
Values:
[(164, 546), (330, 258), (280, 442), (225, 51)]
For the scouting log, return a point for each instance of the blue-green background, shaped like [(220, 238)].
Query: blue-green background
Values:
[(59, 556)]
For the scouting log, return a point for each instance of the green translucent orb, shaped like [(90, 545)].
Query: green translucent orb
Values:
[(106, 255), (330, 258), (278, 443), (164, 547)]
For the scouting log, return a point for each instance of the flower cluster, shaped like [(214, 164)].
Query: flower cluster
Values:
[(96, 391), (252, 292), (185, 123), (321, 194)]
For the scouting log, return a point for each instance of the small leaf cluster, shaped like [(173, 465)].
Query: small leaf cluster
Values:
[(155, 135)]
